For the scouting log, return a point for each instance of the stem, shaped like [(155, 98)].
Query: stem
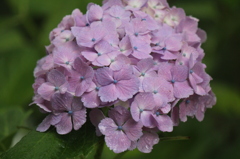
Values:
[(99, 151), (175, 138), (118, 156)]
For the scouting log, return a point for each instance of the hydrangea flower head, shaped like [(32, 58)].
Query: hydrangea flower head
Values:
[(140, 60)]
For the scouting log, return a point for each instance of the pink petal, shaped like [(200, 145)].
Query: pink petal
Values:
[(62, 101), (124, 74), (147, 119), (118, 141), (125, 89), (182, 89), (164, 123), (51, 119), (94, 13), (56, 77), (119, 114), (46, 90), (146, 142), (108, 93), (91, 56), (91, 99), (96, 116), (79, 118), (164, 70), (107, 126), (133, 129), (104, 76), (65, 125), (179, 73)]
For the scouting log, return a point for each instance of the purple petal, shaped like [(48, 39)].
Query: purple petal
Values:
[(118, 141), (119, 114), (94, 13), (175, 116), (46, 90), (56, 78), (84, 70), (124, 74), (174, 43), (96, 116), (164, 123), (145, 65), (91, 99), (79, 118), (164, 71), (108, 93), (104, 76), (62, 102), (182, 89), (65, 125), (146, 142), (133, 129), (77, 104), (147, 119), (107, 127), (179, 73), (51, 119), (125, 89)]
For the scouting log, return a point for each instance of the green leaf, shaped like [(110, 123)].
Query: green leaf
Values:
[(50, 145), (10, 119)]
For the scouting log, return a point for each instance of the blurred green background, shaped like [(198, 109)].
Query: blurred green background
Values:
[(24, 29)]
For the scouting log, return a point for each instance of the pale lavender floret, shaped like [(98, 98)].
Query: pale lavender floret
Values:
[(158, 4), (196, 106), (120, 129), (125, 46), (51, 119), (99, 57), (43, 65), (134, 4), (73, 114), (202, 35), (120, 84), (138, 28), (80, 79), (96, 116), (89, 36), (142, 107), (118, 15), (56, 82), (174, 16), (65, 55), (109, 3), (176, 76), (118, 62), (140, 49), (94, 13), (167, 44), (160, 88), (144, 69), (64, 37), (188, 27), (90, 98), (188, 55), (162, 121), (147, 140), (147, 20)]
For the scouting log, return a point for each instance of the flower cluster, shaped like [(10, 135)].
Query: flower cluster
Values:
[(140, 59)]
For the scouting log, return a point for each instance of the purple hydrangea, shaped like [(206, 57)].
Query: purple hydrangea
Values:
[(140, 60)]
